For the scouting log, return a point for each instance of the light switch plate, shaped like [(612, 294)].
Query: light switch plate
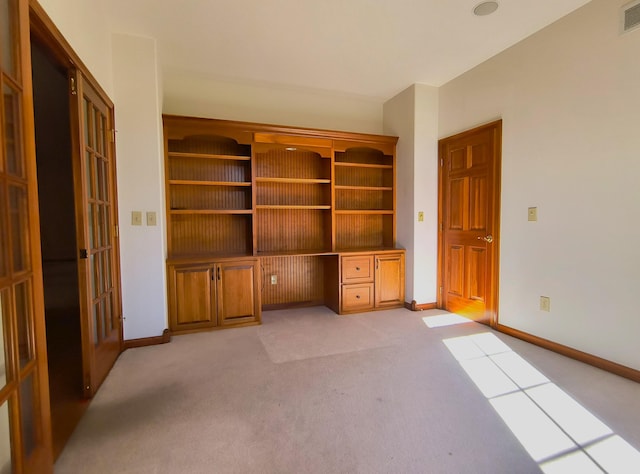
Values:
[(545, 303), (151, 218), (532, 214), (136, 217), (420, 216)]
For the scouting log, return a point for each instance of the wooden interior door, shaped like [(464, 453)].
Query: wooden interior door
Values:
[(469, 222), (25, 431), (97, 231)]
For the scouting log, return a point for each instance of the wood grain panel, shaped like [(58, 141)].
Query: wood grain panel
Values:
[(356, 176), (357, 297), (293, 194), (193, 291), (478, 203), (389, 280), (205, 234), (458, 159), (357, 268), (209, 144), (363, 199), (289, 230), (209, 197), (364, 155), (477, 273), (196, 169), (358, 231), (456, 270), (457, 204), (279, 163), (300, 280), (479, 155), (236, 292)]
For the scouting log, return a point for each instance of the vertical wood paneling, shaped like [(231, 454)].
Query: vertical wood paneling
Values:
[(357, 199), (206, 169), (300, 280), (289, 230), (209, 197), (355, 176), (364, 156), (293, 194), (279, 163), (210, 144), (364, 231), (210, 235)]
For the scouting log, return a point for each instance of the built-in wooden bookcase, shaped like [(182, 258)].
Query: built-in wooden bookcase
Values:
[(365, 197), (284, 208), (209, 196)]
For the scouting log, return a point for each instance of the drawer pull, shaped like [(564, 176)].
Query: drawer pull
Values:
[(357, 269), (357, 297)]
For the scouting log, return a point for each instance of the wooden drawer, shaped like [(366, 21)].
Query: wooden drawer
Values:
[(357, 269), (357, 297)]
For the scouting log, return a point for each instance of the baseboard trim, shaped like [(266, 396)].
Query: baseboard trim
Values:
[(147, 341), (604, 364), (413, 306)]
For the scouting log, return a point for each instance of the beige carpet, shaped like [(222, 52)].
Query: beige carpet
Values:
[(311, 392)]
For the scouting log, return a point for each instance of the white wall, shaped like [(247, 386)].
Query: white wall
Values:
[(399, 120), (84, 25), (187, 94), (413, 116), (140, 185), (569, 97)]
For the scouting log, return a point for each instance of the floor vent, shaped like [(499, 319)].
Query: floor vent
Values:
[(631, 16)]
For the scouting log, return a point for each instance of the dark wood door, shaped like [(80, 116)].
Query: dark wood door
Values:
[(97, 231), (469, 219), (191, 297), (25, 430)]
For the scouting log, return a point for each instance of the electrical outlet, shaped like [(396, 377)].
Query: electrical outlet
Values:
[(420, 216), (274, 279), (136, 217), (532, 214), (545, 304), (151, 218)]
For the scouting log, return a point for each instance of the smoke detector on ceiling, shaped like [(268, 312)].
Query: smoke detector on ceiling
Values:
[(485, 8), (630, 16)]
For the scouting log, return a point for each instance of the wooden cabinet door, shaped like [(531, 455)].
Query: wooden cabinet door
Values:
[(238, 300), (389, 280), (191, 297)]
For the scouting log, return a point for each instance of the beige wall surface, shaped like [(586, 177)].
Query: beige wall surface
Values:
[(569, 97)]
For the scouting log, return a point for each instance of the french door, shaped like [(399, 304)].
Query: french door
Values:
[(97, 231), (25, 433)]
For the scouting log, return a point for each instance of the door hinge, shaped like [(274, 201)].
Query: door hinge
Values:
[(72, 85), (113, 135), (441, 162), (441, 291), (441, 226), (83, 253), (116, 231)]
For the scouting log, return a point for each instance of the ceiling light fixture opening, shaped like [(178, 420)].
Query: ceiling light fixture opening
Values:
[(485, 8)]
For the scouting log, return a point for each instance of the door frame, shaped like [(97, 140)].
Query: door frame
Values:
[(494, 262), (54, 43)]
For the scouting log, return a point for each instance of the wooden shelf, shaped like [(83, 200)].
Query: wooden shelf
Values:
[(364, 211), (188, 182), (365, 188), (363, 165), (270, 206), (263, 179), (297, 253), (208, 156), (211, 211)]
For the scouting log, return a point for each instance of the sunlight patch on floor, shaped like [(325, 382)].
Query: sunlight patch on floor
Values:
[(444, 320), (557, 432)]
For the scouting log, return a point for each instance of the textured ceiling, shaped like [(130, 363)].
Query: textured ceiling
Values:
[(373, 48)]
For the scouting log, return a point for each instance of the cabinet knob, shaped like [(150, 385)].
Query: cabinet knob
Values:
[(357, 269), (357, 297)]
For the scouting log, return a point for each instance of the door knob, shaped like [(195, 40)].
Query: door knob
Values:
[(488, 238)]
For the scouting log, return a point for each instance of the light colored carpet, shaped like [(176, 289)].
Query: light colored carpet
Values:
[(311, 392)]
